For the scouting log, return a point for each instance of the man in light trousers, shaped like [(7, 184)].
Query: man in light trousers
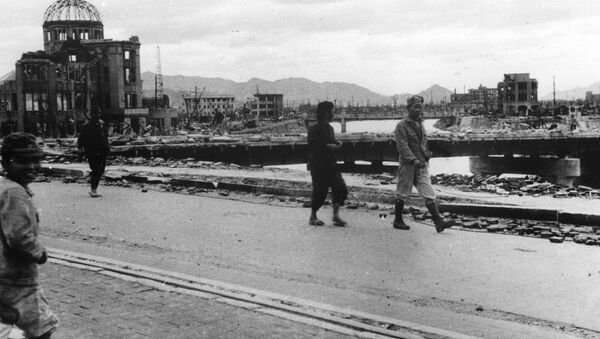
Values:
[(413, 165)]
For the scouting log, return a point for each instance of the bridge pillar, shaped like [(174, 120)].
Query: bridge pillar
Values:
[(377, 164), (558, 170), (590, 169)]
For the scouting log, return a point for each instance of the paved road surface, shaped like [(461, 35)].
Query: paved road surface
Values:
[(478, 284)]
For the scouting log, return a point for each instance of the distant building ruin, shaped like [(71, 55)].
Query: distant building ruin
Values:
[(202, 106), (592, 99), (52, 91), (267, 106), (481, 98), (517, 94)]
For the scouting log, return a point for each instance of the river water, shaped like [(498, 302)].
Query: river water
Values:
[(454, 165)]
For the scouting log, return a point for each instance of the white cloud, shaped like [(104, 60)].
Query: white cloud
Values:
[(389, 46)]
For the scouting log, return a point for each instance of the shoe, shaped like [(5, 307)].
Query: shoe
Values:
[(339, 222), (441, 224), (400, 225), (94, 194), (315, 222)]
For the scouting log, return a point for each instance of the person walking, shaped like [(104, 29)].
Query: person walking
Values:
[(413, 165), (323, 166), (22, 300), (94, 143)]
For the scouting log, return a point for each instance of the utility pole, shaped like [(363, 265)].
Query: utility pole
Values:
[(195, 100), (553, 92)]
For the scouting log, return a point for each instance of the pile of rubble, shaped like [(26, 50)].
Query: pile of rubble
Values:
[(483, 126), (517, 185), (171, 163), (75, 157), (553, 231)]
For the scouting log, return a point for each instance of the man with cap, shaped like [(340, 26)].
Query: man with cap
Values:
[(22, 301), (94, 143), (413, 165)]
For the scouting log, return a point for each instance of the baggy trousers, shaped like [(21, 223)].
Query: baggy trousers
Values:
[(324, 178), (97, 165), (410, 175)]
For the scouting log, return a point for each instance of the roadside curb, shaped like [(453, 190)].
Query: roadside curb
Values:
[(357, 193), (504, 211), (341, 320), (64, 171)]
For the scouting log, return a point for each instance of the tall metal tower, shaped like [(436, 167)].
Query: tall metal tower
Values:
[(158, 80)]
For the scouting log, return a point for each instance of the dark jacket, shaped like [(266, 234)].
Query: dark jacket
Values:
[(93, 139), (411, 141), (20, 249), (320, 156)]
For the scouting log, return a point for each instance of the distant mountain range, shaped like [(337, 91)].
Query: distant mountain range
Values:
[(301, 90), (574, 93), (295, 90)]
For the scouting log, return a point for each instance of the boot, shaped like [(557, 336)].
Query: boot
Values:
[(398, 210), (440, 223)]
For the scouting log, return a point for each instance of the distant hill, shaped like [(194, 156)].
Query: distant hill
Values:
[(435, 94), (574, 93), (294, 90)]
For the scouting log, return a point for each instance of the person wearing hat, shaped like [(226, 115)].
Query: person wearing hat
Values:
[(323, 166), (22, 301), (413, 165), (94, 143)]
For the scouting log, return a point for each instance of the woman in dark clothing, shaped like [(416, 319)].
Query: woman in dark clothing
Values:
[(323, 166)]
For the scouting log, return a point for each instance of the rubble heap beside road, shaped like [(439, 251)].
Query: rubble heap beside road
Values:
[(516, 185)]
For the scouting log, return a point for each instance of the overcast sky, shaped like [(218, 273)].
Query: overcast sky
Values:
[(388, 46)]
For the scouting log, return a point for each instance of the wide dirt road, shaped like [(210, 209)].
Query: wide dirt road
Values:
[(478, 284)]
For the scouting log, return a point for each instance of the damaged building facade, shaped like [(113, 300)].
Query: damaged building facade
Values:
[(51, 92), (267, 106), (517, 94), (481, 98), (202, 106)]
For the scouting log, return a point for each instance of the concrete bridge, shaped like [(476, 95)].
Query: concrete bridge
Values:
[(563, 157), (386, 115)]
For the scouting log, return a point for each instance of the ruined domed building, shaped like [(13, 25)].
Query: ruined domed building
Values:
[(52, 91)]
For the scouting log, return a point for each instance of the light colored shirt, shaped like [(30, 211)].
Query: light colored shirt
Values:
[(411, 141), (20, 249)]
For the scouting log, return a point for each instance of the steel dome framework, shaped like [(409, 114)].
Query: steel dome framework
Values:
[(72, 10)]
